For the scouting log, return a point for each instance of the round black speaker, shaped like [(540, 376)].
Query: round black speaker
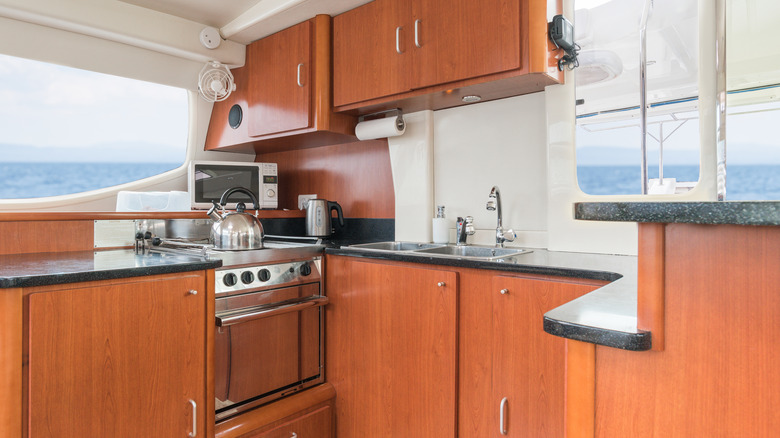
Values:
[(235, 116)]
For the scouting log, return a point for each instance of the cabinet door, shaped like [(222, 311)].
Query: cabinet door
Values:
[(460, 39), (317, 424), (280, 81), (528, 364), (119, 360), (366, 42), (392, 349)]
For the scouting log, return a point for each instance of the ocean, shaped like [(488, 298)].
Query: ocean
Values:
[(757, 182), (35, 180)]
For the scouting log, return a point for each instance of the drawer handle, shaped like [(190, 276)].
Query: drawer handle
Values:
[(441, 284), (502, 416), (228, 318), (194, 432), (294, 435), (417, 33), (398, 39), (192, 292), (300, 84), (504, 291)]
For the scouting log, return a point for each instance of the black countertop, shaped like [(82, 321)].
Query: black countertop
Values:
[(606, 316), (728, 212), (43, 269)]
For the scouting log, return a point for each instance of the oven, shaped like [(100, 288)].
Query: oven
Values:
[(269, 334)]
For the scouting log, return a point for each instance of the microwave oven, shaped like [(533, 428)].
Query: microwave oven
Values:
[(208, 180)]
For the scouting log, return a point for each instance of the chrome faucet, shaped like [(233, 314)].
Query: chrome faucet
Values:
[(464, 227), (494, 204)]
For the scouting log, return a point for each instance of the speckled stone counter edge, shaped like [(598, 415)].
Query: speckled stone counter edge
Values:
[(611, 338), (715, 213), (109, 274)]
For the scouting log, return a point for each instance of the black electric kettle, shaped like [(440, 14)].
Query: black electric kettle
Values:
[(318, 223)]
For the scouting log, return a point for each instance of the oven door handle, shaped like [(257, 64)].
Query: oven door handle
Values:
[(266, 310)]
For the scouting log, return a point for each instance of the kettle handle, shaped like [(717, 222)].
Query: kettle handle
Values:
[(335, 206), (230, 191)]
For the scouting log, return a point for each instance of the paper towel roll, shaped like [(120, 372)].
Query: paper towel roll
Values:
[(380, 128)]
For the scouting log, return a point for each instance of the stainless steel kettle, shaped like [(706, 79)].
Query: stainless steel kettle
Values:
[(318, 222), (235, 231)]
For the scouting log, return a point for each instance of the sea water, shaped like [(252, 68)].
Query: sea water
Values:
[(35, 180), (743, 182)]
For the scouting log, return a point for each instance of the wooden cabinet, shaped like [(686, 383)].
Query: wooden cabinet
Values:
[(391, 52), (284, 93), (391, 337), (316, 424), (120, 358)]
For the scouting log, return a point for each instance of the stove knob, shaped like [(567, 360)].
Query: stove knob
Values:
[(230, 279), (264, 275), (247, 277), (305, 269)]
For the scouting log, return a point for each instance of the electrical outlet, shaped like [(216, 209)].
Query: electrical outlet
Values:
[(303, 199)]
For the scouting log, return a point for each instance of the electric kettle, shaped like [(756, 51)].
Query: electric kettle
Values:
[(318, 222)]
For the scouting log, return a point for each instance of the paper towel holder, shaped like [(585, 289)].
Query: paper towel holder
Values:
[(400, 123)]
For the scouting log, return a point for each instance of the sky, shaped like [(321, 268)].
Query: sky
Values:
[(50, 105)]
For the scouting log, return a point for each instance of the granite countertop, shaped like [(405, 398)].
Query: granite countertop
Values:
[(727, 212), (606, 316), (43, 269)]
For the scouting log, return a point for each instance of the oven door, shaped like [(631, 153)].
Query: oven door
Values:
[(268, 344)]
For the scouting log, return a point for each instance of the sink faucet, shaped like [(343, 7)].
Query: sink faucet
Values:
[(494, 204), (463, 229)]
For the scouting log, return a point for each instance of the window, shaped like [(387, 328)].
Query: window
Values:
[(65, 130), (608, 134), (609, 157)]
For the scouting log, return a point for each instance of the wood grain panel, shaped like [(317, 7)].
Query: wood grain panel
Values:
[(317, 424), (650, 284), (580, 408), (356, 175), (97, 369), (271, 415), (11, 363), (718, 373), (463, 39), (391, 339), (29, 237)]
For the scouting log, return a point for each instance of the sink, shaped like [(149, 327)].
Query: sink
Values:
[(441, 250), (395, 246), (472, 252)]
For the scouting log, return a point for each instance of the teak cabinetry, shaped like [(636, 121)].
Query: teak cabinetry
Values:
[(408, 356), (391, 337), (122, 358), (429, 53), (284, 92)]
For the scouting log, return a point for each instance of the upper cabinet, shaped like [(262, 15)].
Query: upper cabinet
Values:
[(428, 54), (283, 95)]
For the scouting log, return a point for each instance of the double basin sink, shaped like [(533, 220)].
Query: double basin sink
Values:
[(466, 252)]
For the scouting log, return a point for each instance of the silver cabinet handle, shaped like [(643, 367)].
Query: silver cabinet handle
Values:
[(441, 284), (194, 432), (300, 84), (398, 39), (504, 291), (294, 435), (224, 319), (192, 292), (502, 416), (417, 33)]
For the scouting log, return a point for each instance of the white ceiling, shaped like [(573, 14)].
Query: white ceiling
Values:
[(244, 21)]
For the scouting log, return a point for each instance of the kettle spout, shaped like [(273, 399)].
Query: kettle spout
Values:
[(214, 212)]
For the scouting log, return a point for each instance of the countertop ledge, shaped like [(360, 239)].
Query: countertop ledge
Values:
[(715, 213), (44, 269), (606, 316)]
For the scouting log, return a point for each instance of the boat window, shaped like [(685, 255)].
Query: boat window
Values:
[(609, 131), (66, 130)]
